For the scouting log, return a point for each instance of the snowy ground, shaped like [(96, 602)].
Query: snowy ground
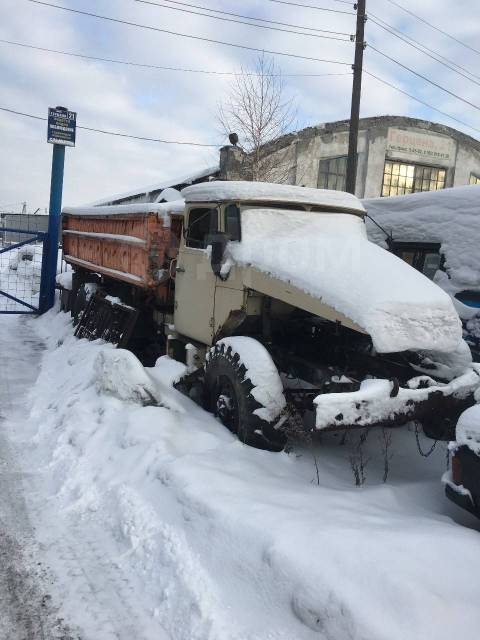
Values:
[(151, 521)]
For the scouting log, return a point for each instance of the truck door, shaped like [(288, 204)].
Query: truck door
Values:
[(195, 280)]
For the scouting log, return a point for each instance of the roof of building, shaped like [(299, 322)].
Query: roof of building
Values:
[(377, 122), (154, 189)]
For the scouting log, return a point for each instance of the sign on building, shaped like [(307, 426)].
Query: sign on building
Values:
[(62, 125), (420, 147)]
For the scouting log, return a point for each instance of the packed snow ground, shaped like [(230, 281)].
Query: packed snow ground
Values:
[(157, 523)]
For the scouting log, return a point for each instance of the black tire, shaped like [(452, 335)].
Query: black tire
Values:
[(228, 396)]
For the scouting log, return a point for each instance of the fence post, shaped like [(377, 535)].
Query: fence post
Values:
[(50, 248)]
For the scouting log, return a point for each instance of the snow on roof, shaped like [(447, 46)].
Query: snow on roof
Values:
[(163, 209), (156, 187), (450, 217), (269, 192), (330, 257)]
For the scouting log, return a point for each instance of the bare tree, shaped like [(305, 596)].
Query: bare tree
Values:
[(258, 112)]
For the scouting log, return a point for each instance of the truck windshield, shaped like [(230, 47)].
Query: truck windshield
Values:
[(202, 224)]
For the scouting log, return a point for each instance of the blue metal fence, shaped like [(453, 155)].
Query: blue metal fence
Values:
[(23, 280)]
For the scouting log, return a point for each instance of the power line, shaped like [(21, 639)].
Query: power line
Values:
[(311, 6), (115, 133), (249, 24), (162, 68), (185, 35), (432, 26), (426, 104), (434, 55), (419, 75), (237, 15)]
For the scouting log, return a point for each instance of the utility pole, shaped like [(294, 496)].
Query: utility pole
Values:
[(356, 93)]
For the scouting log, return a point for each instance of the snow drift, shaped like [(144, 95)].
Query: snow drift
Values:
[(214, 540), (329, 256)]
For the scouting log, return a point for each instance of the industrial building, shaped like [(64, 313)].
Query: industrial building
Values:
[(396, 156)]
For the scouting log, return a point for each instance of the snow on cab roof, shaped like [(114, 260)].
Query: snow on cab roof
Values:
[(218, 191), (163, 209)]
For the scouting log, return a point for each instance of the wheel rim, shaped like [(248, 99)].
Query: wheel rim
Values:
[(225, 403)]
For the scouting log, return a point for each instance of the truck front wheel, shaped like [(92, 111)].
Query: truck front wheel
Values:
[(228, 395)]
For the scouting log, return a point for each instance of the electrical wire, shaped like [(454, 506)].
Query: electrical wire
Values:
[(115, 133), (419, 75), (311, 6), (319, 32), (185, 35), (425, 104), (162, 68), (434, 55), (432, 26)]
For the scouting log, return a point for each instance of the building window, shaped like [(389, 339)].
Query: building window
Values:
[(400, 178), (423, 256), (474, 179), (332, 173)]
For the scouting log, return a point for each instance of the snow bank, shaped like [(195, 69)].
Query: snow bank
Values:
[(121, 374), (213, 540), (330, 257), (269, 192), (448, 216)]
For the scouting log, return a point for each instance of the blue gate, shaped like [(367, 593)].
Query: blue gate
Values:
[(22, 270)]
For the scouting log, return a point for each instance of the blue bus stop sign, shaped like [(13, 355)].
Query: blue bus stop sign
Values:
[(62, 125)]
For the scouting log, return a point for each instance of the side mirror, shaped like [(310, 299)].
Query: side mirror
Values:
[(218, 244)]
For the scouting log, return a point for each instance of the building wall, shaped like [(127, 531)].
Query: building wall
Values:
[(25, 222), (406, 140)]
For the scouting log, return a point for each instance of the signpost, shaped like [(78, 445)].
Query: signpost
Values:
[(61, 126), (61, 133)]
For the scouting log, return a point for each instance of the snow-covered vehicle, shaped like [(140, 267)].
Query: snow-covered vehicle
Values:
[(280, 306), (462, 480)]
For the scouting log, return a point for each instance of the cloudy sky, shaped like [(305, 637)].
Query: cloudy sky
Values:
[(182, 106)]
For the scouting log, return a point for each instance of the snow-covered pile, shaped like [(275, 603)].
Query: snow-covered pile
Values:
[(64, 280), (448, 216), (330, 257), (20, 276), (214, 540)]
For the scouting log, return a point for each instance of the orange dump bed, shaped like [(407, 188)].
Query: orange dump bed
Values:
[(131, 243)]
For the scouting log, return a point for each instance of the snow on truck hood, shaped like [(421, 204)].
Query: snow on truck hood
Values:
[(329, 256)]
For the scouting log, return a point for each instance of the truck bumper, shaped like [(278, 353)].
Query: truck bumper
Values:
[(384, 403)]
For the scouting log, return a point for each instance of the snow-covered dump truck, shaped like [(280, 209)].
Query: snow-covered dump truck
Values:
[(280, 307)]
